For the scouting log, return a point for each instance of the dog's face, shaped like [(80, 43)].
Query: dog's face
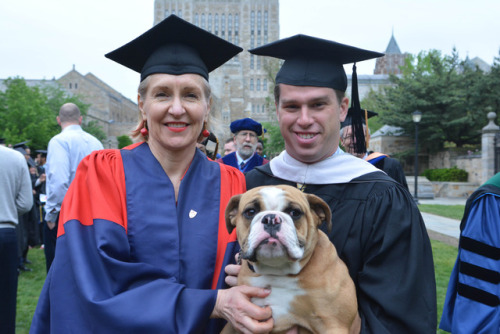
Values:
[(277, 226)]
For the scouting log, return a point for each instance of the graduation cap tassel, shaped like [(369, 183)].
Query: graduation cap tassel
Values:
[(358, 133)]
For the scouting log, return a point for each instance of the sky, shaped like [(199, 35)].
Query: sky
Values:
[(45, 39)]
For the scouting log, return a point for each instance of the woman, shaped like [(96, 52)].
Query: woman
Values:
[(139, 250)]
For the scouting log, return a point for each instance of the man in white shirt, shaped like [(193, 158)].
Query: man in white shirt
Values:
[(65, 151)]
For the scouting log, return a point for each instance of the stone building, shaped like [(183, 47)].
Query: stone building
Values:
[(241, 86), (114, 113)]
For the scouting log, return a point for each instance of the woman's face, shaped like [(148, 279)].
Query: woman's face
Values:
[(175, 107)]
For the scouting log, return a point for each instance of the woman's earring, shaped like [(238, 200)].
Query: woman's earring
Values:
[(205, 133), (144, 130)]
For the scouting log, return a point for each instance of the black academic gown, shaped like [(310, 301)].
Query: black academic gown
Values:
[(391, 167), (380, 235)]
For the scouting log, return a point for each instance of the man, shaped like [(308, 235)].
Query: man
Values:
[(40, 196), (260, 148), (27, 223), (16, 199), (245, 133), (65, 151), (390, 166), (472, 301), (377, 228), (229, 146)]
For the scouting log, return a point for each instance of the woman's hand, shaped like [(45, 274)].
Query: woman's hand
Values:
[(235, 306)]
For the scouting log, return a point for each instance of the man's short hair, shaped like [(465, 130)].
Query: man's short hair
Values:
[(69, 113)]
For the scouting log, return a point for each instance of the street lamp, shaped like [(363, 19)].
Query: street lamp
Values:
[(417, 116)]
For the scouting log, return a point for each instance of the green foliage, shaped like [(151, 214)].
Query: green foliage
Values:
[(29, 113), (453, 96), (94, 129), (124, 141), (274, 142), (453, 174)]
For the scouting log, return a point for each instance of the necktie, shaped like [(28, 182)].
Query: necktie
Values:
[(242, 165)]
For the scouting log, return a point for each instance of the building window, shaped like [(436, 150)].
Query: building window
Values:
[(223, 24), (76, 85), (236, 24), (258, 62), (217, 24), (179, 13), (251, 61), (264, 85), (251, 84), (265, 22), (265, 39), (210, 22), (263, 109), (196, 20), (252, 42), (229, 23), (167, 13), (259, 22), (173, 12), (258, 40), (203, 21), (252, 21), (258, 85), (70, 85), (236, 41)]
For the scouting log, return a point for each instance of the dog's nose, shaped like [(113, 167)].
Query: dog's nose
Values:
[(272, 223)]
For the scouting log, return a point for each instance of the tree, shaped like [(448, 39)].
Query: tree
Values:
[(449, 93), (29, 113), (124, 141)]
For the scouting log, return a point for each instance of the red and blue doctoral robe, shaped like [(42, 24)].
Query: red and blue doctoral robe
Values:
[(129, 258)]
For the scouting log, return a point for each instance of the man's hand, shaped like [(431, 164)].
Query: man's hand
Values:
[(235, 306), (51, 225)]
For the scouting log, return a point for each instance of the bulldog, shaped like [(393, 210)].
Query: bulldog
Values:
[(283, 249)]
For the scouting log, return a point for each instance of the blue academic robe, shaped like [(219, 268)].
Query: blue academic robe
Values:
[(472, 301), (129, 258)]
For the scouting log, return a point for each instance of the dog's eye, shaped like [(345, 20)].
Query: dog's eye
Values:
[(249, 213), (295, 213)]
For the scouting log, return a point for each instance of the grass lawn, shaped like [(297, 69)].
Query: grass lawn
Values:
[(450, 211), (30, 283)]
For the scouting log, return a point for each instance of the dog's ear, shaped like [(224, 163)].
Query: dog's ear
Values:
[(321, 209), (231, 212)]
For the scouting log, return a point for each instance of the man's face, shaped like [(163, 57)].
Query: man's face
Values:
[(309, 119), (246, 143), (349, 143), (229, 148), (259, 148)]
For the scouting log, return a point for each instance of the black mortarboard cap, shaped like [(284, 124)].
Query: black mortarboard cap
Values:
[(42, 152), (21, 145), (311, 61), (357, 117), (175, 46)]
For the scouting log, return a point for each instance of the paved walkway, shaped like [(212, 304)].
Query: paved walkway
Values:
[(447, 227)]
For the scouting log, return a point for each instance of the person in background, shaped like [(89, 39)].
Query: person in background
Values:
[(358, 146), (245, 132), (377, 228), (40, 196), (260, 147), (142, 240), (229, 146), (64, 153), (28, 221), (16, 199), (472, 301)]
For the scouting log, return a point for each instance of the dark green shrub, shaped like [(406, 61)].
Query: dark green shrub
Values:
[(124, 141), (453, 174)]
